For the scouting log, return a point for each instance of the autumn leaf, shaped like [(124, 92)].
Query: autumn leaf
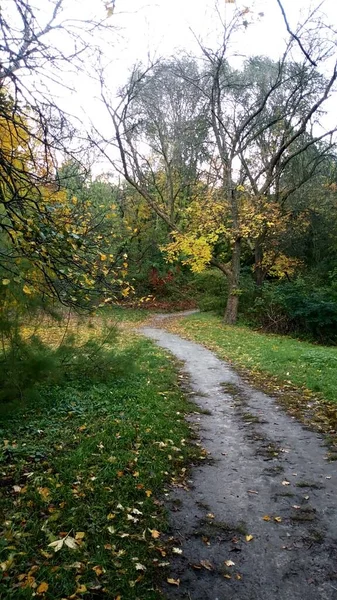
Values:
[(148, 493), (81, 589), (278, 519), (98, 570), (79, 535), (154, 533), (26, 289), (6, 281), (173, 581), (285, 482), (57, 545), (229, 563), (43, 588), (249, 538), (266, 518), (44, 493), (207, 565)]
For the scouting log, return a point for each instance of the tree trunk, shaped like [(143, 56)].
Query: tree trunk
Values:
[(231, 312)]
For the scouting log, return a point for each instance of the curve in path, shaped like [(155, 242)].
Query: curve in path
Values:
[(263, 463)]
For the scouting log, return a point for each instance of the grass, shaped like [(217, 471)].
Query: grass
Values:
[(86, 466), (292, 361), (302, 375)]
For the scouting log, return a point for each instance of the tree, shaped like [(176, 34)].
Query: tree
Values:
[(51, 243), (160, 134), (257, 123), (263, 118)]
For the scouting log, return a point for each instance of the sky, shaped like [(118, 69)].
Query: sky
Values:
[(149, 29)]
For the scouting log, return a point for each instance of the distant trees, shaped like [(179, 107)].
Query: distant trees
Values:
[(220, 154)]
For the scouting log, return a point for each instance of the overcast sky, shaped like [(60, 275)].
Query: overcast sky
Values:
[(153, 28)]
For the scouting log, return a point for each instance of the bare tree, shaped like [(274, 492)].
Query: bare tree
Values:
[(160, 132), (263, 117)]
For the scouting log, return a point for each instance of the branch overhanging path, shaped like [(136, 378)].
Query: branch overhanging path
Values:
[(259, 518)]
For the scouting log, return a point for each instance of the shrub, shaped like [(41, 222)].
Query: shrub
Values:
[(296, 307), (211, 290)]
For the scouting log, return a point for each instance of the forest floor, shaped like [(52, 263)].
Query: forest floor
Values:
[(257, 519)]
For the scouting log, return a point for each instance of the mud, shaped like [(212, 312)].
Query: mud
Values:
[(265, 465)]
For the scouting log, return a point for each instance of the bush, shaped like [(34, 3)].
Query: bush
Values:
[(211, 290), (296, 307)]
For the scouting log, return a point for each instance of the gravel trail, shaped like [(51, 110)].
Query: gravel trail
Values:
[(262, 464)]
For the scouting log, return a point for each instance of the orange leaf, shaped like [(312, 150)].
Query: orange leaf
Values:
[(43, 588)]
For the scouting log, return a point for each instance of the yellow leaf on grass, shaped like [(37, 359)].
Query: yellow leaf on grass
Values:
[(43, 588), (98, 570), (79, 535), (148, 493), (173, 581), (81, 589), (6, 281), (44, 493), (154, 533), (26, 289)]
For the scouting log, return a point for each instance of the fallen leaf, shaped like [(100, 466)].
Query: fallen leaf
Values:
[(17, 489), (227, 576), (140, 567), (249, 538), (57, 545), (148, 493), (229, 563), (278, 519), (44, 493), (43, 588), (210, 516), (266, 518), (81, 589), (285, 482), (98, 570), (79, 535), (154, 533), (238, 576), (177, 551), (207, 565), (173, 581), (296, 506)]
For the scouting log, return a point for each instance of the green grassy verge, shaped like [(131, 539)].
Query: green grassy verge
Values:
[(291, 361), (83, 470)]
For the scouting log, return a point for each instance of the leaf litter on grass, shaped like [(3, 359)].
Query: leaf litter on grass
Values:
[(82, 514)]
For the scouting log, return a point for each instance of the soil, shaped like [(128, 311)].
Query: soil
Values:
[(258, 519)]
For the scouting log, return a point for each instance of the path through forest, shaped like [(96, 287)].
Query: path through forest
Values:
[(266, 477)]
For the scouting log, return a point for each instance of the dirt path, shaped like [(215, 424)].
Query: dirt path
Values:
[(262, 463)]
